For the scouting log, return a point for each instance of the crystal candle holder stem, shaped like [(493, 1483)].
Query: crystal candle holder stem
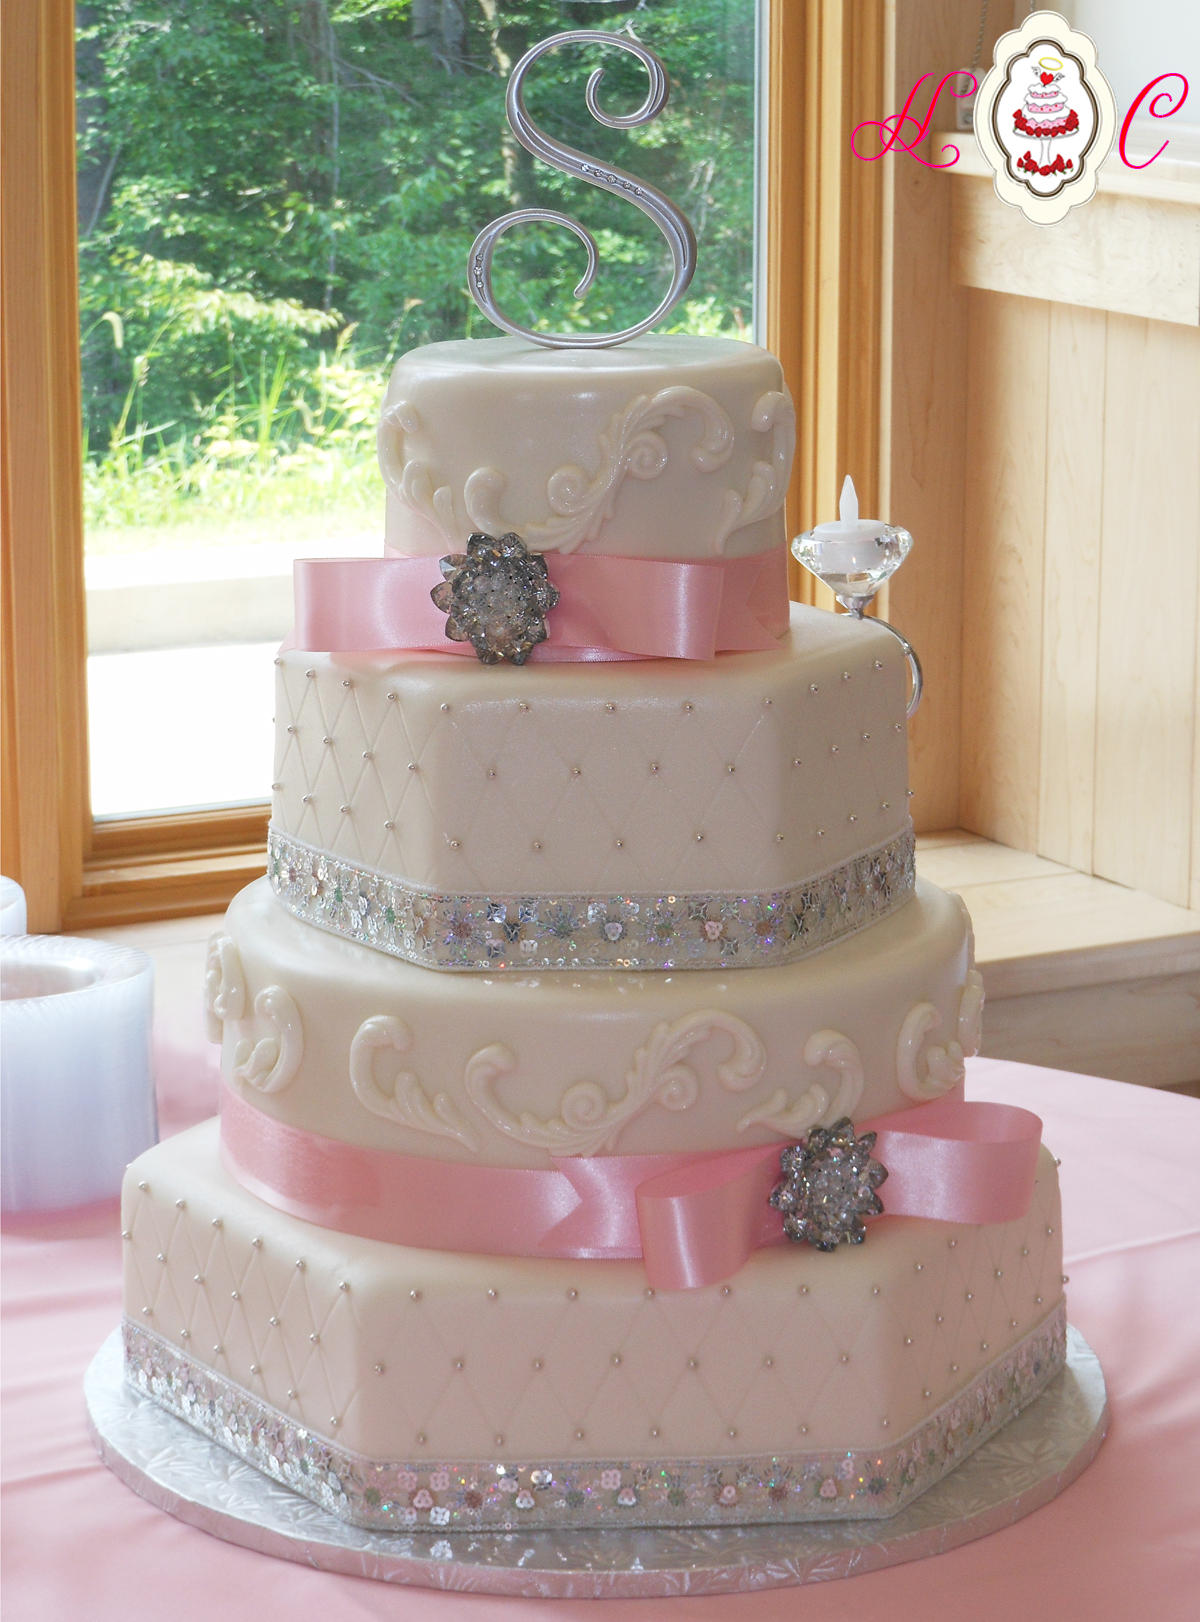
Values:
[(854, 557)]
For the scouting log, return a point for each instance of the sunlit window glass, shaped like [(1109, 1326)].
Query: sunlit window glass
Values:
[(276, 199)]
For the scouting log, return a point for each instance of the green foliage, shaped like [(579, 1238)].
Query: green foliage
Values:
[(260, 178), (298, 443)]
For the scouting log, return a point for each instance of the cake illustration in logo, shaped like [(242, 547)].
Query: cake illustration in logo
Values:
[(1045, 118)]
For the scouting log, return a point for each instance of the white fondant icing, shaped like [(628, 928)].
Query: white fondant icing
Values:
[(588, 1119), (970, 1014), (581, 503), (597, 450), (944, 1066), (224, 985), (768, 480), (962, 907), (408, 1102), (481, 497), (817, 1106), (272, 1061), (596, 779), (862, 986), (417, 1345)]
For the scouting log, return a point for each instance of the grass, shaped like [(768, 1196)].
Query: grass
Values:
[(291, 456), (299, 449)]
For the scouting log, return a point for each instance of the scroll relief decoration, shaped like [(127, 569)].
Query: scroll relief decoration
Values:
[(268, 1062), (581, 503), (407, 1104), (819, 1105), (224, 986), (945, 1066), (775, 413), (588, 1119)]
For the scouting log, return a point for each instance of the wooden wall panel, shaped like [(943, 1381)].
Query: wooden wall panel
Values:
[(1071, 585), (1009, 341), (924, 408), (1146, 692)]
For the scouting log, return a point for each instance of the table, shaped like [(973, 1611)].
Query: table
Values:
[(1122, 1544)]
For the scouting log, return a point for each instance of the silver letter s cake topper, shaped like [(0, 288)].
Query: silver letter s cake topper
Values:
[(671, 221)]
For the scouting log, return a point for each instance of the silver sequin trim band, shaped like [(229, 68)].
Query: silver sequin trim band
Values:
[(598, 1493), (711, 931)]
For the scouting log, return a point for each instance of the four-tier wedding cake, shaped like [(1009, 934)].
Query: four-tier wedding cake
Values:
[(590, 926)]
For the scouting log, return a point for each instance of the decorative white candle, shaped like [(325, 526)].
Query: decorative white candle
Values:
[(76, 1086), (853, 556)]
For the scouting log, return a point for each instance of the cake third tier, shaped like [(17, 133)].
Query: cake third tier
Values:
[(660, 804)]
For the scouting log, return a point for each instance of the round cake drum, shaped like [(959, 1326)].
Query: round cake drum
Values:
[(1027, 1464)]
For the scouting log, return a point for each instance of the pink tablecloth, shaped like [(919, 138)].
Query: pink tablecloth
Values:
[(1123, 1543)]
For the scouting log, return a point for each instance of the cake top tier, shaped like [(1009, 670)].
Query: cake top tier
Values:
[(667, 447), (517, 363)]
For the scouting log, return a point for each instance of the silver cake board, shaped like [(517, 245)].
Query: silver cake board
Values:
[(1033, 1459)]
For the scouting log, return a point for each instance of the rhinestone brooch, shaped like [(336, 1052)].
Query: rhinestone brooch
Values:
[(828, 1186), (496, 596)]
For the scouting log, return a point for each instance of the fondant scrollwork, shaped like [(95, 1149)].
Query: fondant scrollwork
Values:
[(630, 446), (768, 480), (224, 986), (271, 1062), (407, 1104), (970, 1014), (817, 1105), (944, 1066), (588, 1119)]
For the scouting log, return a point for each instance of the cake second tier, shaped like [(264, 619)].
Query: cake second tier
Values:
[(511, 1069), (657, 785)]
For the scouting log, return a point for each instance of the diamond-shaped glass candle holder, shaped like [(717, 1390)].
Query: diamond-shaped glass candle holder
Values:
[(854, 557)]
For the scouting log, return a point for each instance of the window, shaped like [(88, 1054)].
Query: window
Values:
[(273, 202), (78, 870)]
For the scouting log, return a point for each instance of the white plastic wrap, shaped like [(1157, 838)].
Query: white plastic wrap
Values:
[(76, 1085), (12, 908)]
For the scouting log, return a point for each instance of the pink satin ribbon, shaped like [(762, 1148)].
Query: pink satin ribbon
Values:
[(694, 1219), (609, 608)]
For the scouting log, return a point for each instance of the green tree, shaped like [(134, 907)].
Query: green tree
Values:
[(259, 178)]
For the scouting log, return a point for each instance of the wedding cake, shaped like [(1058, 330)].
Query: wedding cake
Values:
[(590, 926)]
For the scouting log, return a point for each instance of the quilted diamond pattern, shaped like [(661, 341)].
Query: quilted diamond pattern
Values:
[(397, 1353), (564, 779)]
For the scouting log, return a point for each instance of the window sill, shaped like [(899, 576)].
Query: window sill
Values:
[(1080, 974), (146, 868), (1134, 249)]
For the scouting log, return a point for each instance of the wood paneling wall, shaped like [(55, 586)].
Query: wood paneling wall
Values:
[(1081, 620), (923, 407)]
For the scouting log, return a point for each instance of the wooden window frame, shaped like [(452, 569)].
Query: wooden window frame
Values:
[(826, 289)]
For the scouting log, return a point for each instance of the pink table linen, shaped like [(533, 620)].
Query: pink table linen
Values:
[(1122, 1544)]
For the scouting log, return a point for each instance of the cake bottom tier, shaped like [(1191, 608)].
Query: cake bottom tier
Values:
[(400, 1387)]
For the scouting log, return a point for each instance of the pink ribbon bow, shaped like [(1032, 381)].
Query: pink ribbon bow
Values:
[(693, 1219), (609, 608)]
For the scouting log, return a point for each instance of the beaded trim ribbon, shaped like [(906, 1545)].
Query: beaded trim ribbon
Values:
[(713, 930), (525, 1494)]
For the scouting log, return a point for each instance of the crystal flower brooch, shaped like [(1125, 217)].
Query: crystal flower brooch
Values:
[(828, 1186), (496, 595)]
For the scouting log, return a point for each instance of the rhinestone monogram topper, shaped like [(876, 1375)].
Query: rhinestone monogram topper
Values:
[(496, 596), (655, 205), (828, 1186)]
